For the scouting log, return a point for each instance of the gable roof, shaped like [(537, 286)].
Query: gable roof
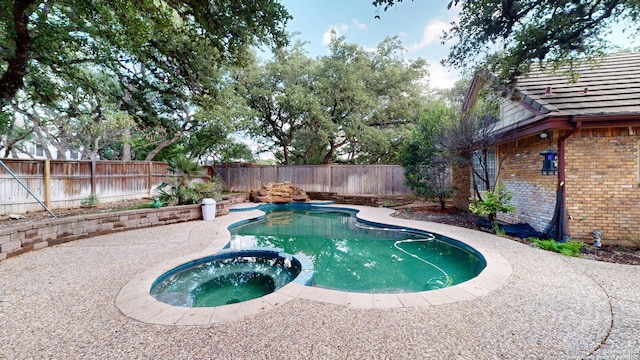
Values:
[(606, 93)]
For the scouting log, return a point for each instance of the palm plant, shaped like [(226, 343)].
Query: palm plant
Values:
[(180, 191)]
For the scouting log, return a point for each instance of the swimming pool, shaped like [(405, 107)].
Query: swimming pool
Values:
[(352, 255), (135, 300)]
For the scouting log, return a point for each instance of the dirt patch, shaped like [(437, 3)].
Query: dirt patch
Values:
[(426, 211)]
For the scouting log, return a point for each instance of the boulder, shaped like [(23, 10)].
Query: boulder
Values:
[(278, 193)]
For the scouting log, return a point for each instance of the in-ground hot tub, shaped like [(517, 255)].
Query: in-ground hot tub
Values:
[(231, 276)]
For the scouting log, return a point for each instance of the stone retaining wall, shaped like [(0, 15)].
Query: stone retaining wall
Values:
[(22, 238)]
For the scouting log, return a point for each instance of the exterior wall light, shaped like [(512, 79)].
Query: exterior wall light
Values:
[(550, 162)]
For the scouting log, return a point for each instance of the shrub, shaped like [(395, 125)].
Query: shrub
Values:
[(568, 248), (498, 200), (182, 189), (90, 201), (212, 189)]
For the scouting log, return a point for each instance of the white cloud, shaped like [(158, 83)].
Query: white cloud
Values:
[(338, 30), (359, 25), (441, 77), (432, 32)]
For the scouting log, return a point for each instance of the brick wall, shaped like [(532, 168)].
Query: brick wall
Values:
[(16, 240), (534, 194), (602, 184), (461, 183), (602, 178)]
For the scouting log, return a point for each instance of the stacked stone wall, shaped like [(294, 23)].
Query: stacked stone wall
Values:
[(16, 240)]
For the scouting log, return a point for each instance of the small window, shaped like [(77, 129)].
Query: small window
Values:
[(73, 154), (39, 150), (479, 165)]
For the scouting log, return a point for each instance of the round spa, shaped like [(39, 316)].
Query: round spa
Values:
[(231, 276)]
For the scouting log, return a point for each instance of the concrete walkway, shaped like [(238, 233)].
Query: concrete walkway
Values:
[(66, 302)]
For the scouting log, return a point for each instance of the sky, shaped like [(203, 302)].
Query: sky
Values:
[(418, 24)]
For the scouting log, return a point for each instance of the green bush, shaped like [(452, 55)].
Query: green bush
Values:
[(498, 200), (569, 248), (90, 201), (183, 188), (212, 189)]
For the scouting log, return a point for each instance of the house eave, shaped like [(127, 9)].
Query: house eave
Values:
[(554, 122)]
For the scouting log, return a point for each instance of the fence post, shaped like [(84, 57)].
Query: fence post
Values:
[(93, 177), (330, 179), (150, 177), (47, 183)]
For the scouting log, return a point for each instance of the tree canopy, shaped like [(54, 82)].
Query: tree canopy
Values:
[(62, 33), (74, 66), (508, 37), (351, 105)]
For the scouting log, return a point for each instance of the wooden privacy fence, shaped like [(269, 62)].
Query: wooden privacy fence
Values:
[(340, 179), (65, 184)]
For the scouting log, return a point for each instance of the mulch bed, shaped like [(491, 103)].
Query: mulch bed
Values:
[(29, 217), (425, 211)]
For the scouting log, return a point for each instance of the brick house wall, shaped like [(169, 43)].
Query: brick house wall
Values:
[(602, 184), (461, 178), (602, 178), (534, 194)]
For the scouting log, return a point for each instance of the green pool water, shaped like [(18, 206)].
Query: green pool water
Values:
[(351, 256), (220, 281)]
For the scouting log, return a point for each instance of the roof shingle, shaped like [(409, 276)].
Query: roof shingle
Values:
[(610, 87)]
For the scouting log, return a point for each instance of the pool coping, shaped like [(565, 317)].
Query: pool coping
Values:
[(135, 301)]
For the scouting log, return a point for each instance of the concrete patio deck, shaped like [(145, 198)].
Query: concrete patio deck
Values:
[(83, 300)]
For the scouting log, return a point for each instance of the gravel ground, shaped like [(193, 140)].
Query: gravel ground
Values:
[(58, 303)]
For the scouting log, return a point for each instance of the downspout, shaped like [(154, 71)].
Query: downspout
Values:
[(561, 218)]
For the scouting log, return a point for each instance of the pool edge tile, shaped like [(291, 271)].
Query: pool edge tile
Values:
[(359, 300), (386, 301), (413, 300)]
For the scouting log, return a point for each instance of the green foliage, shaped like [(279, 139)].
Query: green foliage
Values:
[(498, 200), (90, 201), (352, 105), (106, 77), (183, 189), (498, 230), (212, 189), (156, 204), (569, 248), (426, 166), (177, 194)]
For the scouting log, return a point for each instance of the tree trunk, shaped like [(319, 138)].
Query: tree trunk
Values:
[(126, 147), (38, 131), (13, 78), (492, 217)]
